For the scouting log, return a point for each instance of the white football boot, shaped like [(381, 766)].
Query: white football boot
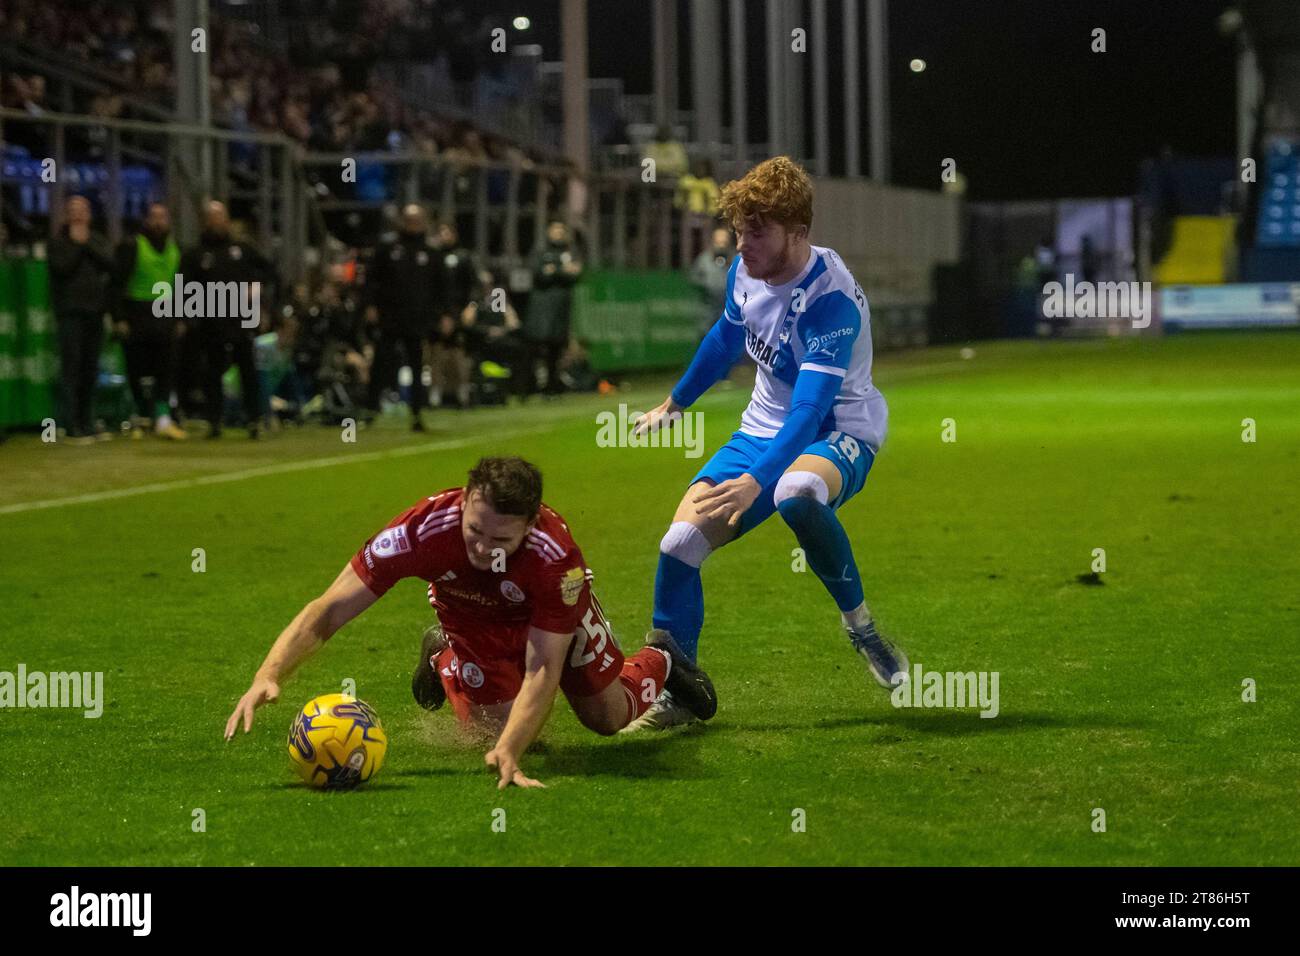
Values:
[(662, 714)]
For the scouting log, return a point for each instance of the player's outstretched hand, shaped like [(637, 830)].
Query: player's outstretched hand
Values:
[(509, 771), (728, 500), (667, 414), (263, 691)]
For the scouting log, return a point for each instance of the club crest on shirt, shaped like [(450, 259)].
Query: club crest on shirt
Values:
[(571, 586), (390, 542), (512, 591), (471, 674)]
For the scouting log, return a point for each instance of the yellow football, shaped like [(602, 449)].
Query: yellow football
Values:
[(337, 742)]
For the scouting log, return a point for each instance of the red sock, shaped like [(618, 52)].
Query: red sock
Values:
[(643, 677)]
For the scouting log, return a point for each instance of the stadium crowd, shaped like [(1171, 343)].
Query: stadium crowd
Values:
[(415, 320), (323, 91)]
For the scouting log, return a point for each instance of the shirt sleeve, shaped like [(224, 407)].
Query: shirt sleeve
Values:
[(389, 555), (828, 331), (814, 394), (558, 596)]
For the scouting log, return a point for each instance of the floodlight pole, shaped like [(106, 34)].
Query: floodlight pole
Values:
[(878, 87), (577, 135), (193, 103)]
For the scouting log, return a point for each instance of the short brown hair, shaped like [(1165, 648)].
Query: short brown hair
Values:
[(777, 189), (511, 486)]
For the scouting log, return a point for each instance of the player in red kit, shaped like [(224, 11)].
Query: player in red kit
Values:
[(517, 619)]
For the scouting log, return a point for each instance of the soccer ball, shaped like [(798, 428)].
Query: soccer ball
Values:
[(337, 742)]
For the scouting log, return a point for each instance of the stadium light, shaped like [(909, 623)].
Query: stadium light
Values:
[(522, 23), (917, 65)]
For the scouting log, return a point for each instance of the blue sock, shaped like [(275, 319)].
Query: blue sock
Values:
[(679, 602), (826, 546)]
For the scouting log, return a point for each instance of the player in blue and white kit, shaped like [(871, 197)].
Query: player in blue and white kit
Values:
[(811, 431)]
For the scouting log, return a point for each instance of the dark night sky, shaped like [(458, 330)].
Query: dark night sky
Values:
[(1012, 90)]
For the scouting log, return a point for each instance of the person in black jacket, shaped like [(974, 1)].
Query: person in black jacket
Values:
[(81, 267), (404, 289), (557, 267), (219, 258)]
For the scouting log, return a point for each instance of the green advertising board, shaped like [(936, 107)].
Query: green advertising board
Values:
[(37, 344), (639, 320), (28, 354), (10, 393)]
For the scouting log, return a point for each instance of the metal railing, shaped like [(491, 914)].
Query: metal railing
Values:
[(501, 208), (273, 193)]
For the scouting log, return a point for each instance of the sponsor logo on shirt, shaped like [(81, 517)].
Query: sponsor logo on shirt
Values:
[(818, 342), (571, 586), (474, 597), (760, 351), (512, 591)]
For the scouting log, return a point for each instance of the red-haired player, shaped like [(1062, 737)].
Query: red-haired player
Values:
[(517, 619)]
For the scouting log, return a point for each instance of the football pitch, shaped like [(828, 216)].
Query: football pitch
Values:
[(1126, 691)]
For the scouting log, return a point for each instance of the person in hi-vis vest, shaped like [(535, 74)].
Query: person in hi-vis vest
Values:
[(149, 341)]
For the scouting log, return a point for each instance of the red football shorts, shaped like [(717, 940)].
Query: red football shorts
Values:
[(593, 663)]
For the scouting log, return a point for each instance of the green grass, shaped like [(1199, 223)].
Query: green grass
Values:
[(1125, 696)]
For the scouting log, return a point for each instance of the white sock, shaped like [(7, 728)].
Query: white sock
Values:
[(859, 617)]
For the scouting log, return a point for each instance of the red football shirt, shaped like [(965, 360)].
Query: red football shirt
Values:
[(489, 611)]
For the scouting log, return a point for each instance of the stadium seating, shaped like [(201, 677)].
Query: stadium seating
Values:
[(1279, 196)]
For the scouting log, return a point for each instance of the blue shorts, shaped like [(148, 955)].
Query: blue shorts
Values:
[(852, 456)]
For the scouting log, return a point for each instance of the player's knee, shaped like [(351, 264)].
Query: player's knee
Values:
[(685, 542), (797, 487), (600, 719), (605, 725)]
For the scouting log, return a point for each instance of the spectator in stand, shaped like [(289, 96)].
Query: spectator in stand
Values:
[(556, 268), (81, 267), (668, 153), (709, 277), (404, 288), (697, 197), (697, 191), (149, 341)]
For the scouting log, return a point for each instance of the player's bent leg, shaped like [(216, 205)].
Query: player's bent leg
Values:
[(803, 496), (640, 685), (679, 593), (605, 689), (604, 712), (481, 692), (716, 531), (426, 683)]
